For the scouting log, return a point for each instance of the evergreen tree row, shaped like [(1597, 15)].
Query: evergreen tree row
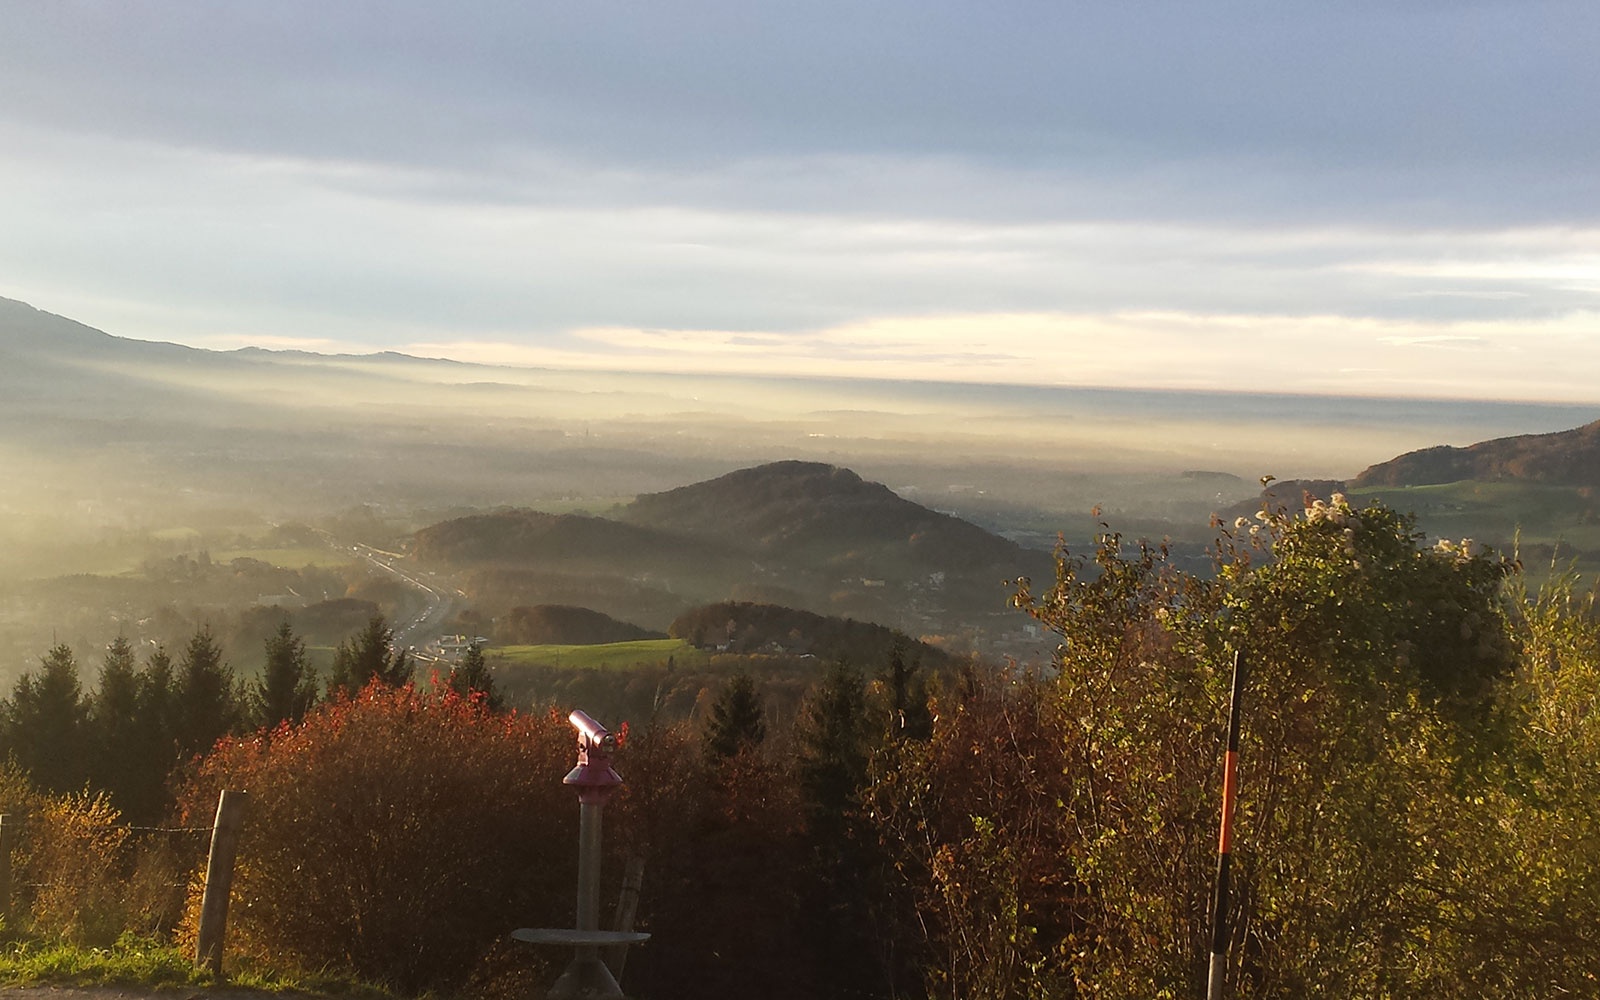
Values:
[(142, 719)]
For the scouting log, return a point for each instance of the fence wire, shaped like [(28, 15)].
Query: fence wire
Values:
[(74, 875)]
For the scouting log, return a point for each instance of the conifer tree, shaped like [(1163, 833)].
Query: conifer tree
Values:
[(288, 685), (206, 702), (155, 739), (834, 738), (737, 719), (45, 723), (367, 656), (113, 733), (472, 675), (832, 750)]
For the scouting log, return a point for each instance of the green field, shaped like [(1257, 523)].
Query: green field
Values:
[(1531, 515), (591, 506), (607, 656)]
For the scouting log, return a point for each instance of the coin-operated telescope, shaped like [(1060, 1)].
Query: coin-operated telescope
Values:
[(593, 776), (587, 976)]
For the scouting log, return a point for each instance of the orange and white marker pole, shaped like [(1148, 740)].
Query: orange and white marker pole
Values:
[(1230, 791)]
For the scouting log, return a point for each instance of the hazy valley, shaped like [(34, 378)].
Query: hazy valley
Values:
[(151, 488)]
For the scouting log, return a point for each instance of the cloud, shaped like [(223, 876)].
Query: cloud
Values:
[(1325, 355), (1129, 111), (1454, 343), (1140, 193)]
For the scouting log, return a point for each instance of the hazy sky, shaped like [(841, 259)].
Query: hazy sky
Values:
[(1398, 197)]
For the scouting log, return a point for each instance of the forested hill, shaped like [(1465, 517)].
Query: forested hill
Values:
[(745, 627), (811, 513), (1565, 458), (524, 536), (801, 534), (563, 624)]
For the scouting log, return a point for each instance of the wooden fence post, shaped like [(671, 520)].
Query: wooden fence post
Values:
[(219, 880), (6, 827)]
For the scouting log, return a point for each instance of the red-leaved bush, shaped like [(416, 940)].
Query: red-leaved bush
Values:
[(399, 834)]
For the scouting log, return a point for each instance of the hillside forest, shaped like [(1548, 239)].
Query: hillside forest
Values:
[(867, 818)]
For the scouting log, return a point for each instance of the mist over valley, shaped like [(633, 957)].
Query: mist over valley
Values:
[(152, 487)]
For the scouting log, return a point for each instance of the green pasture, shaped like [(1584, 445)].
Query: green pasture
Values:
[(1498, 511), (591, 506), (606, 656), (1505, 515)]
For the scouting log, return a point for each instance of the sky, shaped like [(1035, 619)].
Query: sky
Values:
[(1391, 198)]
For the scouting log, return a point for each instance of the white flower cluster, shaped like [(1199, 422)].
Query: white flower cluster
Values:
[(1461, 551), (1336, 511)]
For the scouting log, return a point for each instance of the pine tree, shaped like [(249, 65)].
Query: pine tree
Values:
[(368, 656), (45, 724), (206, 703), (472, 675), (114, 724), (155, 740), (737, 720), (832, 747), (288, 685)]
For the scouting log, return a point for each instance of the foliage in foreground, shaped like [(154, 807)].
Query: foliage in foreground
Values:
[(1418, 812), (394, 833), (153, 963), (1417, 807)]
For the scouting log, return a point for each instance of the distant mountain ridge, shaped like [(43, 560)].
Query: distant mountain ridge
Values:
[(1564, 458)]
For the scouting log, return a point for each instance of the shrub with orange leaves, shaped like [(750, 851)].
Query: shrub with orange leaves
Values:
[(397, 834)]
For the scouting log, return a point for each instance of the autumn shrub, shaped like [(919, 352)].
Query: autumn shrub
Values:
[(397, 834), (17, 799), (75, 863)]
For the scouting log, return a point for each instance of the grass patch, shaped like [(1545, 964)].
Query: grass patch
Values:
[(591, 506), (130, 961), (606, 656), (154, 965), (1539, 517), (1497, 511)]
